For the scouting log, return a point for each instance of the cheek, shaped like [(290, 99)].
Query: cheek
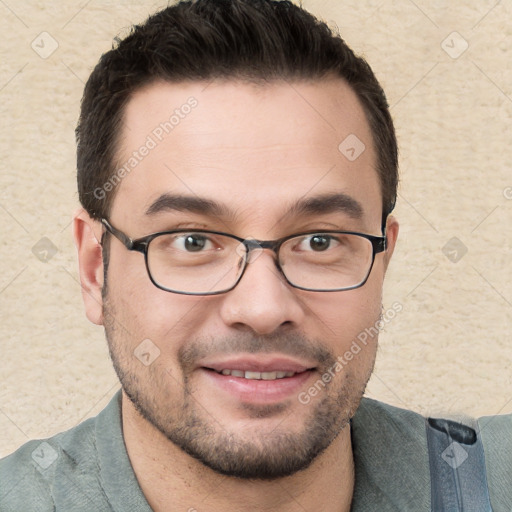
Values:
[(344, 313), (146, 312), (349, 327)]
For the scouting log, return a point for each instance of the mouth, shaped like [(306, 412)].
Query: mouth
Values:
[(256, 379), (280, 374), (258, 368)]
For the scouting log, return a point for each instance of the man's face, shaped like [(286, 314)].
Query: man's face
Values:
[(256, 151)]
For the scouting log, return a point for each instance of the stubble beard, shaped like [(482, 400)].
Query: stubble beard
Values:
[(256, 454)]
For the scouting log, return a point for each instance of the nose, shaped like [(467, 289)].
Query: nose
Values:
[(262, 301)]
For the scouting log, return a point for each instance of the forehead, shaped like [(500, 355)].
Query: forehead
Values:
[(254, 148)]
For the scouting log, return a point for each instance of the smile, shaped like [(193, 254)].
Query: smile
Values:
[(257, 375)]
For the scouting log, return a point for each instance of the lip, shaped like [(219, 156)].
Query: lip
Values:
[(252, 391), (257, 364), (258, 392)]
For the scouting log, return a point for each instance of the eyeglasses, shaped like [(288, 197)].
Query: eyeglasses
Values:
[(201, 262)]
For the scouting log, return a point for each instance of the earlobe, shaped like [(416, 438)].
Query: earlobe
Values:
[(87, 236)]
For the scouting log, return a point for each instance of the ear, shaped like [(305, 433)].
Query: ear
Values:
[(392, 228), (87, 236)]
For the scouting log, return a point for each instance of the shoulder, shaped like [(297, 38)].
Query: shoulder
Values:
[(28, 476), (391, 458), (496, 436), (58, 473), (386, 421)]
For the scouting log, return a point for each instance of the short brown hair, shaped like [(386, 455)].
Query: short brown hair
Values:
[(251, 40)]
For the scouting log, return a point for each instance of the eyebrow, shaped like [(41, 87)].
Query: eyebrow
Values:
[(327, 203), (317, 205), (181, 203)]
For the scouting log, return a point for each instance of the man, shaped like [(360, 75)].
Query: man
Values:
[(237, 167)]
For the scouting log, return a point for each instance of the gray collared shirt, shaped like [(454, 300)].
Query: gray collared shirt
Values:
[(87, 468)]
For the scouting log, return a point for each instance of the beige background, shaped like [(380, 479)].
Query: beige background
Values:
[(448, 351)]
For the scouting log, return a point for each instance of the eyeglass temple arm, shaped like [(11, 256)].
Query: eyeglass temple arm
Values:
[(127, 242), (385, 241)]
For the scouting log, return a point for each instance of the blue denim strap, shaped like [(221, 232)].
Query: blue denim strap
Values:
[(457, 468)]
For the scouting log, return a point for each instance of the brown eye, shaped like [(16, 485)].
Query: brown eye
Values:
[(317, 242), (195, 243), (320, 242)]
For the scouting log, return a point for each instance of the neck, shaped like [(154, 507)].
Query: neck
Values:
[(169, 476)]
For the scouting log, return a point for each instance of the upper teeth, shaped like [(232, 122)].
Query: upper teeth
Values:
[(257, 375)]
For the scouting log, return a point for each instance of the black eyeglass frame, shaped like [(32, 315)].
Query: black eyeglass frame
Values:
[(379, 244)]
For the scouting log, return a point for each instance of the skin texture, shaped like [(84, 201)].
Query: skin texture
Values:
[(255, 150)]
